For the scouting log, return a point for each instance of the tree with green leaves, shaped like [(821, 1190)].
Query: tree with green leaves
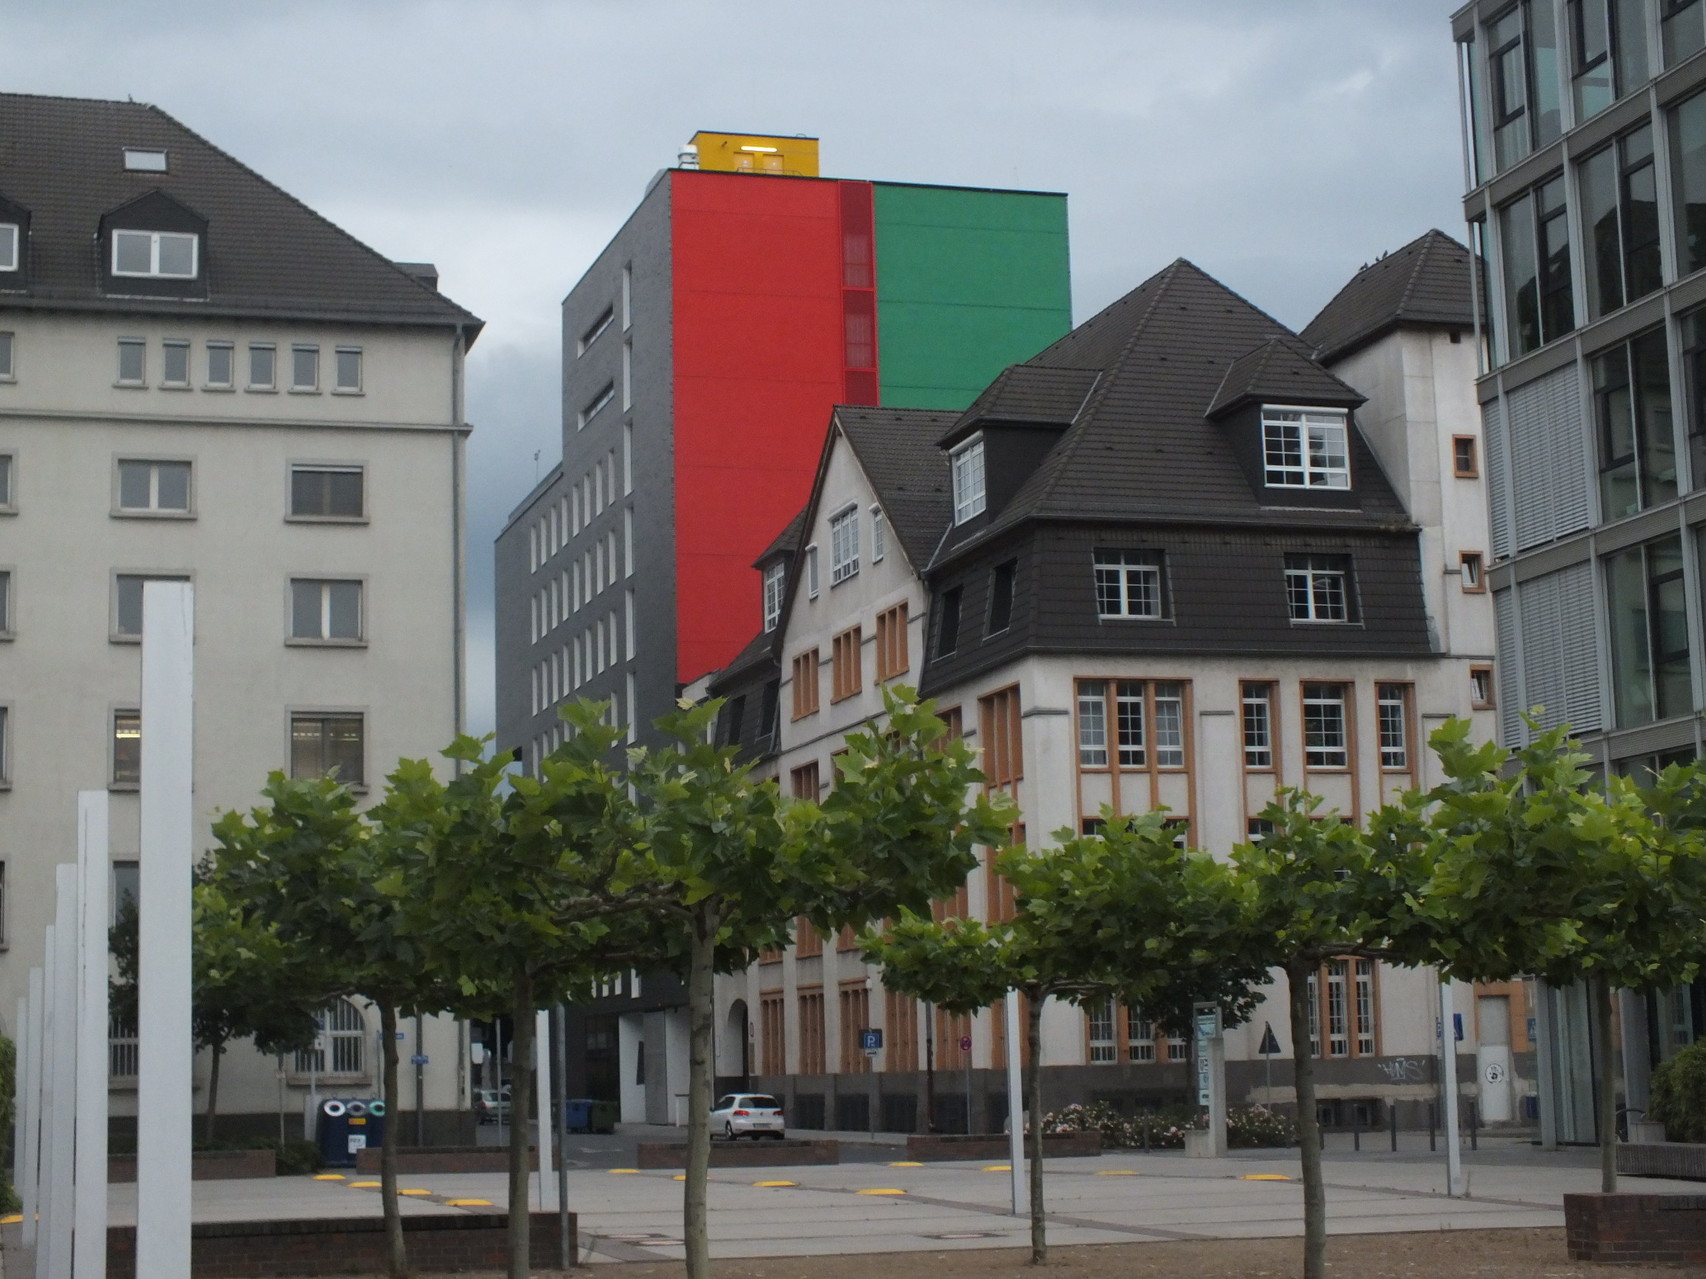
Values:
[(308, 866), (1122, 914), (246, 982), (1535, 867), (1316, 894)]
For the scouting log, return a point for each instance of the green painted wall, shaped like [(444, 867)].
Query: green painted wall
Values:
[(968, 282)]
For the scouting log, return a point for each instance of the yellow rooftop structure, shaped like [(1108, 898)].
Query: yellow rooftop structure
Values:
[(757, 153)]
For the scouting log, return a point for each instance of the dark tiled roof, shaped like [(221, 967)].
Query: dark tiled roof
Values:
[(1142, 447), (898, 451), (759, 653), (1279, 370), (1027, 394), (267, 254), (787, 541), (1425, 283)]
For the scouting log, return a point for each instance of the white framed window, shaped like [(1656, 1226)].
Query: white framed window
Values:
[(811, 572), (132, 362), (325, 610), (327, 492), (966, 465), (843, 545), (166, 255), (8, 357), (144, 160), (8, 482), (9, 246), (1100, 1016), (263, 366), (1128, 584), (5, 602), (1324, 738), (340, 1046), (1092, 723), (1258, 709), (879, 535), (127, 601), (221, 360), (323, 745), (304, 367), (175, 363), (5, 749), (597, 402), (346, 370), (775, 580), (1317, 588), (1169, 724), (593, 331), (126, 750), (1305, 448), (1392, 703), (153, 487)]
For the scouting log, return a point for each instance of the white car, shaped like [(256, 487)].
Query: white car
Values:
[(748, 1114)]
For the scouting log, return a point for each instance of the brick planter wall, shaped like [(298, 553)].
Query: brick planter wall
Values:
[(1056, 1145), (207, 1165), (1665, 1230), (237, 1249), (1682, 1160), (443, 1159), (741, 1154)]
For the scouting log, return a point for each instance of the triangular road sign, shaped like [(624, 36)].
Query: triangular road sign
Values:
[(1270, 1046)]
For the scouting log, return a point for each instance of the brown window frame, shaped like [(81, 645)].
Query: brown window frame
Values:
[(805, 684), (847, 664), (809, 1001), (1492, 699), (893, 657), (1466, 559), (1473, 472)]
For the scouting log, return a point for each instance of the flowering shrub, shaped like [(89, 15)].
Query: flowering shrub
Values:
[(1246, 1126)]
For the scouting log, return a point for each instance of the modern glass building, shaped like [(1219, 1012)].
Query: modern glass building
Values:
[(1584, 124)]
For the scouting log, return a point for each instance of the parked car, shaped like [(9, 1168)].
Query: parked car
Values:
[(491, 1105), (748, 1114)]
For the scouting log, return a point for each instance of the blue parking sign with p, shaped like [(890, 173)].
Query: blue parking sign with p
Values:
[(871, 1039)]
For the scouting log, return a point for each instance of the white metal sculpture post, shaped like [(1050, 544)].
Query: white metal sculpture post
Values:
[(164, 1039), (61, 1186), (1448, 1087), (51, 1139), (542, 1098), (23, 1042), (89, 1257), (29, 1069), (1016, 1116)]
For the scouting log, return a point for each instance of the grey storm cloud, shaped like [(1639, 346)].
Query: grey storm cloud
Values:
[(1278, 144)]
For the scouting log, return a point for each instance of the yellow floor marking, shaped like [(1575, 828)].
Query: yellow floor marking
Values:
[(1117, 1172), (680, 1176), (414, 1192), (1264, 1176), (999, 1168), (767, 1183), (363, 1185), (879, 1192), (468, 1203), (328, 1176), (906, 1163), (11, 1219), (620, 1172)]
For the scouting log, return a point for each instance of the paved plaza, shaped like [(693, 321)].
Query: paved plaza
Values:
[(878, 1202)]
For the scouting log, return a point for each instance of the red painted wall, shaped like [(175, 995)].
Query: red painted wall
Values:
[(759, 340)]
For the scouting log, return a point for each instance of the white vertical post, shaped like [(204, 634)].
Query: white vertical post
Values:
[(164, 1040), (1448, 1087), (542, 1096), (62, 1188), (22, 1041), (1016, 1107), (29, 1149), (89, 1257), (51, 1137)]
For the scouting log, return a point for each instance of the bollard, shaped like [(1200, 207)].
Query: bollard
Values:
[(1474, 1125), (1323, 1131), (1430, 1127), (1356, 1127), (1392, 1124)]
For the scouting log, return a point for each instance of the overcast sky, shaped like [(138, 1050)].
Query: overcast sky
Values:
[(1279, 144)]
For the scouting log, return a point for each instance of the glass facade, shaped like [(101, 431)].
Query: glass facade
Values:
[(1648, 621), (1632, 421)]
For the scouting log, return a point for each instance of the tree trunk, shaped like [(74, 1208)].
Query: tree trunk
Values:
[(1034, 1137), (701, 1006), (1308, 1125), (520, 1106), (218, 1047), (1605, 1053), (397, 1253)]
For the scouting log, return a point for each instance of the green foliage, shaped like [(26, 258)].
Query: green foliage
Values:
[(8, 1102), (1678, 1098)]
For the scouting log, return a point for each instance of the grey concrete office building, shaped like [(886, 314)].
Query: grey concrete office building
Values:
[(1585, 131)]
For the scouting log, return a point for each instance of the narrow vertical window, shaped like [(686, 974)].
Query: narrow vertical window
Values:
[(346, 366), (304, 368), (1393, 707), (219, 366), (174, 363), (132, 362), (1093, 723), (1258, 726), (966, 463), (1325, 742)]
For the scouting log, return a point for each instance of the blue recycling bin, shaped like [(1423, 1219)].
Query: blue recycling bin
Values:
[(347, 1127), (577, 1114)]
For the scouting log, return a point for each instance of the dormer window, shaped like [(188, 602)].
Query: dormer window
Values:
[(161, 255), (967, 466), (8, 246), (1305, 448), (775, 579)]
